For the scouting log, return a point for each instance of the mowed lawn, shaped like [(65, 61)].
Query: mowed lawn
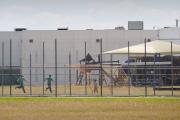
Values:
[(89, 108)]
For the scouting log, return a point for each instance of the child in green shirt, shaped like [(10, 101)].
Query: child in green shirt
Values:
[(49, 80), (21, 80)]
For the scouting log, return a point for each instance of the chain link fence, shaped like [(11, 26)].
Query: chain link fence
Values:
[(144, 75)]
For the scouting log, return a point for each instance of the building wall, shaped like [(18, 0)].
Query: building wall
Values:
[(169, 33), (73, 41), (15, 37), (70, 41)]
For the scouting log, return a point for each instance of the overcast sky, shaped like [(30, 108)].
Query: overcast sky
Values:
[(84, 14)]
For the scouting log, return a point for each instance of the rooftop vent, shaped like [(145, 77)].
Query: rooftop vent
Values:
[(62, 28), (89, 29), (19, 29), (166, 27), (119, 28), (177, 22)]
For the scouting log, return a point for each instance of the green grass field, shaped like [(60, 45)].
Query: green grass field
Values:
[(89, 108)]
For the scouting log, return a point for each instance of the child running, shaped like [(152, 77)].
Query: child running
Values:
[(21, 80), (49, 80)]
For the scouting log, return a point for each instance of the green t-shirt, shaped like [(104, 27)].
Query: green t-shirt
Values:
[(21, 81), (49, 80)]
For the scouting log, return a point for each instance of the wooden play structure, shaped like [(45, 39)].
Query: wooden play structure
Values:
[(111, 73)]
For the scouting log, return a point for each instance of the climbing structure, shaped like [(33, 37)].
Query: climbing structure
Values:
[(110, 74)]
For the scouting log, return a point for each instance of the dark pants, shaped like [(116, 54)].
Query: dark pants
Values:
[(19, 87), (49, 87)]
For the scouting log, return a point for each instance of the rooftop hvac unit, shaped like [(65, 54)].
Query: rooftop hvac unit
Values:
[(135, 25)]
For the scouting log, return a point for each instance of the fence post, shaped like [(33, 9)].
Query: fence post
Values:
[(154, 76), (70, 73), (30, 76), (10, 67), (101, 69), (145, 67), (55, 67), (172, 71), (112, 83), (85, 69), (43, 69), (2, 82), (129, 82)]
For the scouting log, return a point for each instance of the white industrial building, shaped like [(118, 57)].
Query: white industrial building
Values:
[(28, 42)]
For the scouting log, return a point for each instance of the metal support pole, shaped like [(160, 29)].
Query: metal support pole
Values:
[(172, 71), (85, 70), (145, 68), (55, 67), (43, 69), (129, 85), (154, 76), (101, 82), (159, 70), (30, 76), (112, 83), (2, 84), (10, 67), (70, 73)]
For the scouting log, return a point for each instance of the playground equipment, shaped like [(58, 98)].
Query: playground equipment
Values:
[(111, 73)]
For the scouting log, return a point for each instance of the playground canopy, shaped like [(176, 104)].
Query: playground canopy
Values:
[(153, 47)]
